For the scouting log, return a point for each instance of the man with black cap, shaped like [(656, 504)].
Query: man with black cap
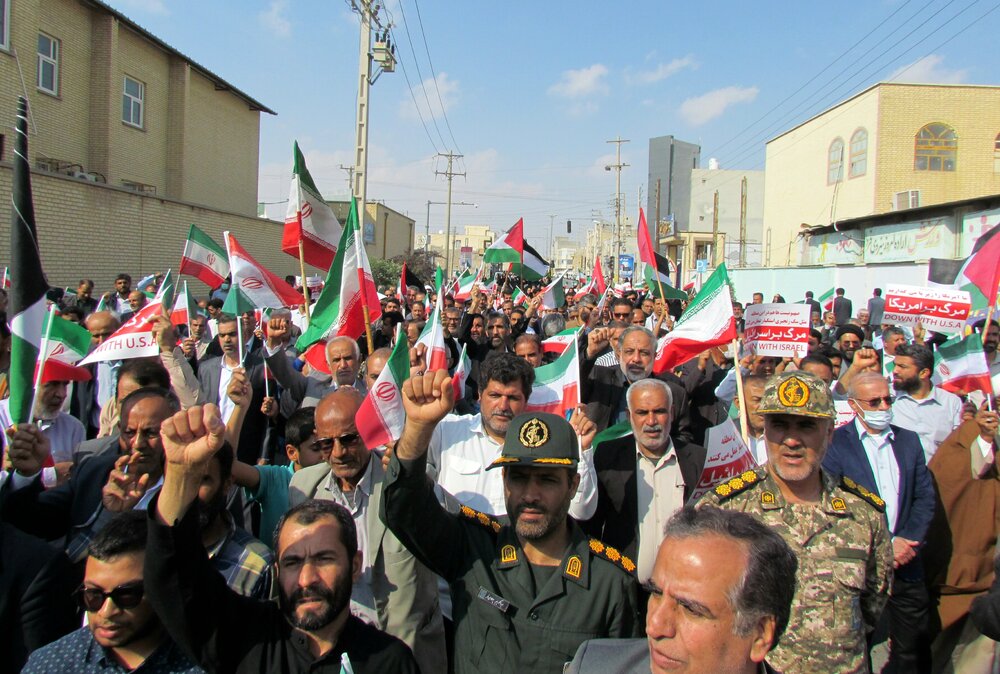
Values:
[(835, 526), (525, 594)]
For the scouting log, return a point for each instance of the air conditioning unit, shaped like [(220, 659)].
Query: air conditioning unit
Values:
[(89, 177), (906, 199)]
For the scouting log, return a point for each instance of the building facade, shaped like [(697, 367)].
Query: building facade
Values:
[(386, 233), (740, 192), (893, 146), (467, 246), (670, 164)]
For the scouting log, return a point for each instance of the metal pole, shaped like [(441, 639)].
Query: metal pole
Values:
[(743, 224), (447, 238), (427, 229), (715, 229)]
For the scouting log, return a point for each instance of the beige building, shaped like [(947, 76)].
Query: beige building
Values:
[(728, 246), (386, 233), (567, 257), (891, 147), (467, 246), (130, 142)]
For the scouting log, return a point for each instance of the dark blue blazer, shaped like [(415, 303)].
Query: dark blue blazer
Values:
[(846, 456)]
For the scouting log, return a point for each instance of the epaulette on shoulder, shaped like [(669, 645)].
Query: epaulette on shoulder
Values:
[(738, 484), (480, 518), (847, 484), (612, 555)]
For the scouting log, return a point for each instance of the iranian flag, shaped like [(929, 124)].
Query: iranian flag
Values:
[(509, 247), (961, 365), (380, 418), (135, 338), (310, 225), (557, 385), (432, 336), (559, 342), (340, 308), (466, 282), (707, 322), (204, 259), (65, 341), (519, 298), (185, 308), (5, 278), (597, 285), (462, 370), (826, 300), (554, 296), (261, 287), (26, 302)]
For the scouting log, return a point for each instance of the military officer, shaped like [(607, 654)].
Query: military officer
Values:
[(835, 527), (528, 593)]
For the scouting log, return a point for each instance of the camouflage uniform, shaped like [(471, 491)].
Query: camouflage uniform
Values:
[(842, 544)]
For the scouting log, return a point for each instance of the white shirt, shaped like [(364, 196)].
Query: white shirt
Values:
[(660, 492), (881, 458), (933, 418), (758, 448), (459, 452)]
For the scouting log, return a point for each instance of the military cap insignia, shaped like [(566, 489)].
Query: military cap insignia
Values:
[(508, 554), (480, 518), (793, 392), (838, 504), (533, 433), (847, 484), (574, 567), (612, 555), (767, 498)]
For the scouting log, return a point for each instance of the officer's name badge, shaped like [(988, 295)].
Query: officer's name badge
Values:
[(496, 601)]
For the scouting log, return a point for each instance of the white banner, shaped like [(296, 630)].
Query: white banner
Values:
[(936, 309), (780, 330), (727, 456)]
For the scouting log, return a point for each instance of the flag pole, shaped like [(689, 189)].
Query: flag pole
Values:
[(739, 392), (187, 306), (239, 336), (364, 309), (49, 317), (302, 270)]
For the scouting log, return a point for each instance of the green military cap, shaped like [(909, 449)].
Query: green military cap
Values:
[(541, 440), (797, 392)]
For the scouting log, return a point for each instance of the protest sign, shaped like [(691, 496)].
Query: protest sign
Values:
[(845, 414), (780, 330), (936, 309), (727, 457)]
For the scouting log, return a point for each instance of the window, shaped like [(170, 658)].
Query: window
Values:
[(859, 153), (996, 154), (4, 24), (48, 64), (835, 162), (132, 101), (936, 148)]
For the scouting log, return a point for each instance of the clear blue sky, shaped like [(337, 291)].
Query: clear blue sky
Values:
[(532, 90)]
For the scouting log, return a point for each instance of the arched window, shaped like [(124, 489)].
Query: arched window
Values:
[(859, 153), (996, 154), (936, 148), (835, 162)]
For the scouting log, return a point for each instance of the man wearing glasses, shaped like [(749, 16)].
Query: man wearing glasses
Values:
[(395, 592), (889, 461), (123, 632)]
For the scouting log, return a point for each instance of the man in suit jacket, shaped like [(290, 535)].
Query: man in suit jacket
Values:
[(214, 375), (814, 306), (842, 307), (634, 468), (889, 461), (396, 593), (876, 307)]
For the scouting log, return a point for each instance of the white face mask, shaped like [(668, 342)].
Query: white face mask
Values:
[(878, 419)]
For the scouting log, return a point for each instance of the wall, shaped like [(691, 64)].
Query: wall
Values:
[(704, 183), (792, 282), (96, 231)]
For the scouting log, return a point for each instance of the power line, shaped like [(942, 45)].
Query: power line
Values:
[(423, 85), (409, 86), (433, 74)]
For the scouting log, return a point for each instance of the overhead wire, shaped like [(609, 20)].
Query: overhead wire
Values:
[(420, 76), (430, 62)]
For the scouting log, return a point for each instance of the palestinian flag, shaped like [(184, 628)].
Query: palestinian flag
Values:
[(260, 286), (462, 370), (979, 273), (406, 279), (466, 282), (135, 338), (559, 342), (961, 365), (557, 385), (554, 296), (204, 259), (518, 297), (309, 221), (532, 268), (597, 285), (508, 248), (185, 308), (647, 250), (660, 277), (707, 322), (65, 341), (26, 301), (432, 335), (340, 309), (380, 418)]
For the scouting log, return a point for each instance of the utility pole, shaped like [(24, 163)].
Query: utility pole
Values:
[(617, 166), (743, 222), (552, 220), (715, 229), (427, 224), (350, 177), (384, 55), (450, 174)]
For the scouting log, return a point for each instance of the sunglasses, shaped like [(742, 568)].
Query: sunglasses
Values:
[(125, 597), (874, 402), (326, 444)]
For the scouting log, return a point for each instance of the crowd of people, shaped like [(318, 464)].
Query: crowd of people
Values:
[(215, 508)]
